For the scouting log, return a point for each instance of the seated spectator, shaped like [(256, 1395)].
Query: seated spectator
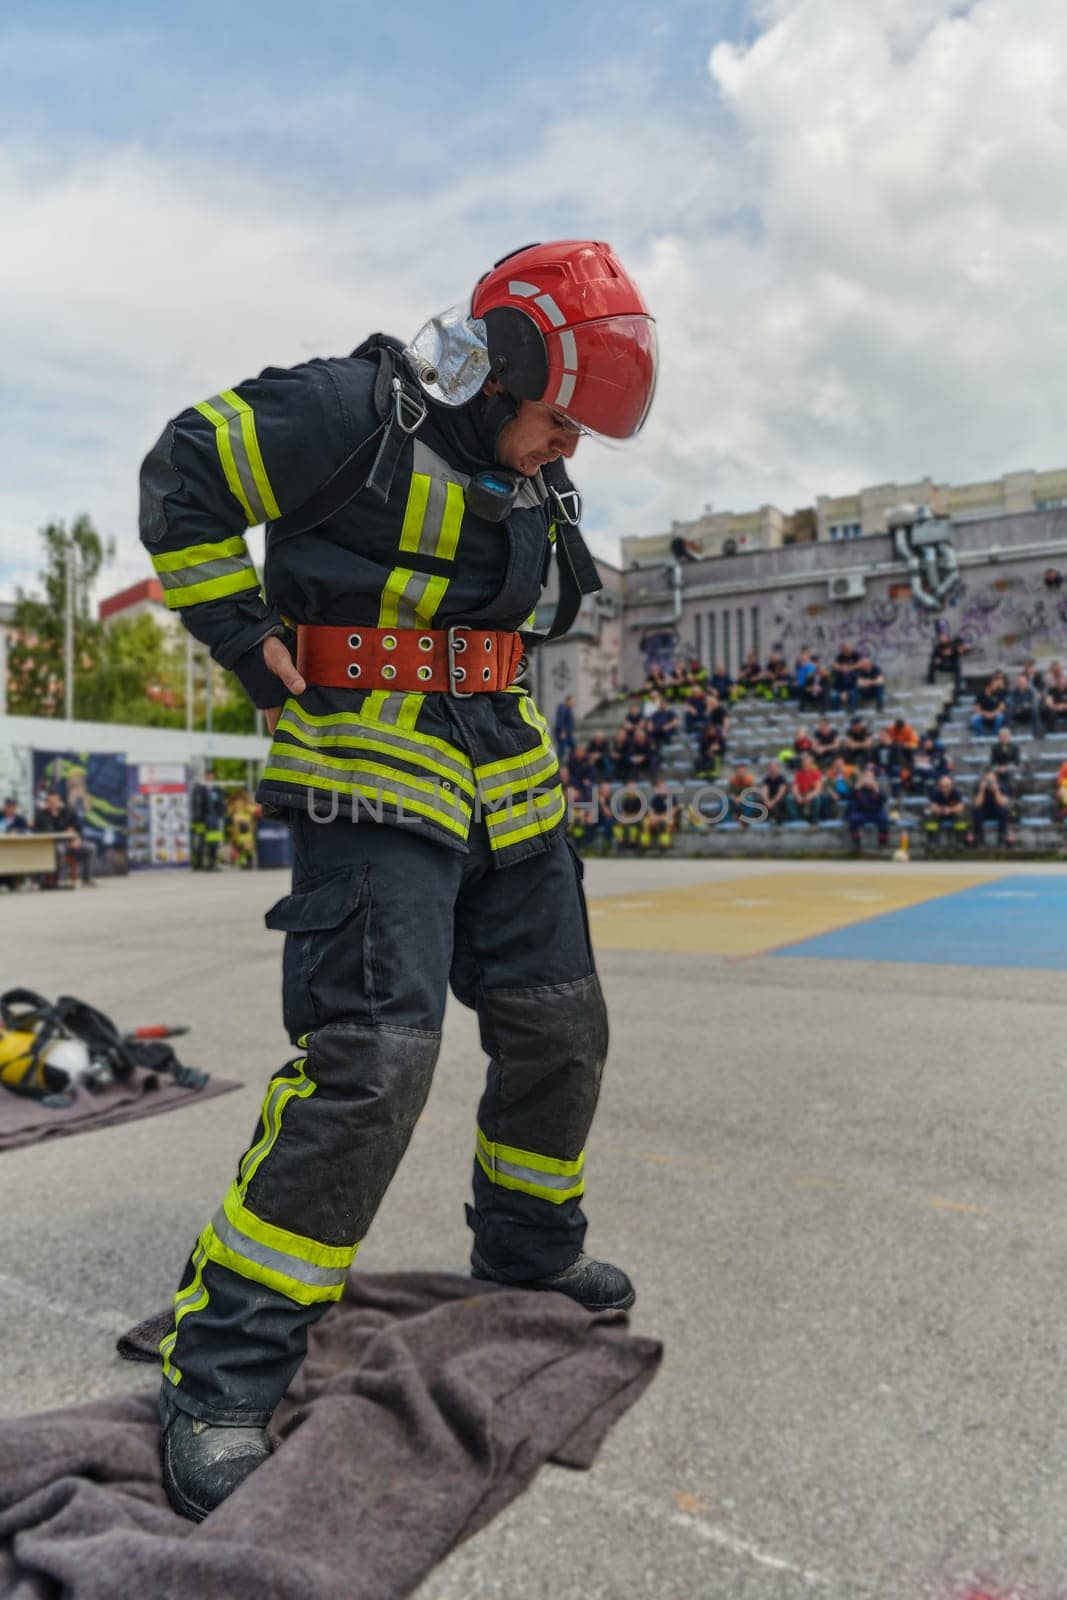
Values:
[(857, 744), (840, 781), (826, 741), (820, 689), (599, 755), (696, 708), (1035, 677), (656, 680), (866, 809), (1055, 697), (946, 655), (719, 712), (1006, 760), (774, 792), (991, 804), (643, 757), (580, 767), (870, 683), (57, 817), (721, 682), (778, 677), (662, 819), (710, 752), (803, 744), (664, 724), (620, 753), (1024, 705), (634, 716), (803, 672), (846, 672), (946, 814), (744, 794), (903, 735), (564, 727), (807, 795), (749, 677), (1061, 791), (928, 764), (651, 704), (628, 816), (988, 711), (12, 820)]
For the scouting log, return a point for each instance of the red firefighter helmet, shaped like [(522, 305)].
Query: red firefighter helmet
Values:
[(566, 324)]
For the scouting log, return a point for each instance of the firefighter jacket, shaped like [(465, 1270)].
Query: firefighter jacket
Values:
[(428, 761)]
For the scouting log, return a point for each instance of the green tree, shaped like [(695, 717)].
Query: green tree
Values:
[(35, 658), (139, 677)]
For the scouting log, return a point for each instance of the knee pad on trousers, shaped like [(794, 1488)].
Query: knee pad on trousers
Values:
[(548, 1046)]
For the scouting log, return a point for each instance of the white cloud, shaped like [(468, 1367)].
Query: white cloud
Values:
[(857, 270)]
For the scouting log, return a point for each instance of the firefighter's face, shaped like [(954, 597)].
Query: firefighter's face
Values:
[(537, 435)]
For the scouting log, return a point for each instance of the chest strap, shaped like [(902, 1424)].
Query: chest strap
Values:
[(458, 661)]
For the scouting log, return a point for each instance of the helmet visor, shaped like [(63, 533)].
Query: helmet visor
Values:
[(602, 375)]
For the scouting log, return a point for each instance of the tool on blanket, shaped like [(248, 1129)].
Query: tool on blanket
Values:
[(47, 1050)]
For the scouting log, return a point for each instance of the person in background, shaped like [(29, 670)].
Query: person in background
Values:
[(564, 727), (778, 677), (803, 673), (696, 708), (1061, 791), (1006, 760), (870, 683), (774, 792), (662, 819), (1024, 705), (946, 813), (599, 752), (741, 783), (866, 809), (803, 744), (846, 674), (721, 682), (634, 716), (826, 741), (580, 767), (857, 744), (749, 677), (664, 725), (1054, 702), (55, 816), (991, 804), (628, 817), (947, 653), (241, 816), (928, 764), (710, 752), (807, 798), (12, 820), (840, 780), (644, 757), (988, 712)]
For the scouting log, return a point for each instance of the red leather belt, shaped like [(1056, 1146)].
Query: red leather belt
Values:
[(459, 661)]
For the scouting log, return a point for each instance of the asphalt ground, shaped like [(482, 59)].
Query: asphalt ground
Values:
[(839, 1186)]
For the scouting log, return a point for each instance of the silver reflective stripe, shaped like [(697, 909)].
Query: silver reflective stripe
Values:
[(533, 491), (566, 389), (221, 567), (541, 817), (438, 798), (395, 740), (434, 466), (517, 781), (543, 1180), (570, 350), (550, 309), (406, 603), (277, 1260), (240, 455), (388, 711)]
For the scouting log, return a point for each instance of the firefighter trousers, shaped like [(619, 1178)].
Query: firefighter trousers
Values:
[(379, 923)]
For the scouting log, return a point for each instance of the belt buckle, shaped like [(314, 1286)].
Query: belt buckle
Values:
[(457, 674)]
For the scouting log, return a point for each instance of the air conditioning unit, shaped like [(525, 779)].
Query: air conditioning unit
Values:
[(847, 586), (729, 547)]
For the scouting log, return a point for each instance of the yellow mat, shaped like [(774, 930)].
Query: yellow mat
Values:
[(744, 916)]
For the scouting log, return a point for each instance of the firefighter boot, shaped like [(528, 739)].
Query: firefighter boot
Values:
[(596, 1285), (203, 1463)]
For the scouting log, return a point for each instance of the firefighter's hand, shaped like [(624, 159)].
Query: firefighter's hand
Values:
[(283, 666)]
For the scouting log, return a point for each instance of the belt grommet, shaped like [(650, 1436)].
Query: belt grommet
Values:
[(488, 645), (487, 673), (354, 670), (425, 642), (389, 671), (388, 642), (423, 673), (459, 674), (354, 641)]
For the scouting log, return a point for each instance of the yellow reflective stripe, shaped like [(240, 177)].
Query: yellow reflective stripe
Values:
[(194, 555), (280, 1091), (501, 839), (409, 711), (305, 1294), (229, 466), (192, 1298), (359, 719), (529, 713), (252, 451), (290, 1244), (503, 817), (527, 1172), (426, 608), (532, 1158), (547, 767), (367, 741), (334, 785), (375, 769), (194, 594), (450, 523), (415, 511), (410, 599), (516, 764)]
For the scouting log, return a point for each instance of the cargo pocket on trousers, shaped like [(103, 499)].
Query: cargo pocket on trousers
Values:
[(326, 967), (579, 873)]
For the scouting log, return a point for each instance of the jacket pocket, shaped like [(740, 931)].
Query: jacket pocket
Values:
[(326, 966)]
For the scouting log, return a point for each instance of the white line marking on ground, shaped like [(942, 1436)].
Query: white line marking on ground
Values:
[(708, 1531), (764, 902), (624, 905), (28, 1295)]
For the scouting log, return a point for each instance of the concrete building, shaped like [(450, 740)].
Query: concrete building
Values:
[(840, 518), (138, 600)]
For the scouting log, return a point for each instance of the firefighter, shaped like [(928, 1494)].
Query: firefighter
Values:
[(413, 496), (208, 814), (241, 812)]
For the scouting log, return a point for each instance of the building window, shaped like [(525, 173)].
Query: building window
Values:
[(740, 635), (712, 652), (845, 530), (1051, 505), (726, 651), (754, 635), (698, 630)]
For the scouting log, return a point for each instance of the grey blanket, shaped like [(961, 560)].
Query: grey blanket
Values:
[(24, 1121), (427, 1403)]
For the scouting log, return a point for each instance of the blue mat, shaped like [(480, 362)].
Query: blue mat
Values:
[(1010, 922)]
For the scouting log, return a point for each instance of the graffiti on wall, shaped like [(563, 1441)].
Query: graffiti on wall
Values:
[(1003, 618)]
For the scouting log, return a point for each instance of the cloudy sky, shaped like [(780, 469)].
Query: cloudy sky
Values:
[(850, 220)]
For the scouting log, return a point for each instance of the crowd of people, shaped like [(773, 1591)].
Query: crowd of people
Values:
[(842, 767), (74, 853)]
